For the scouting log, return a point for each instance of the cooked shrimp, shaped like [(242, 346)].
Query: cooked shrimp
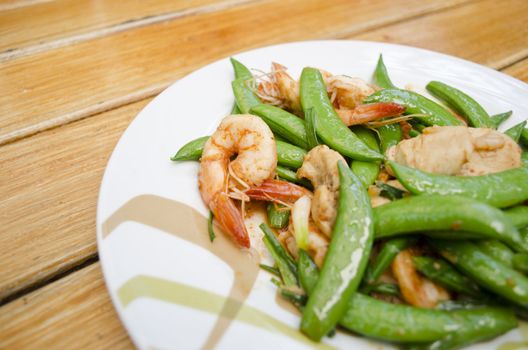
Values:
[(458, 150), (220, 180), (320, 167), (415, 289), (281, 90), (345, 93)]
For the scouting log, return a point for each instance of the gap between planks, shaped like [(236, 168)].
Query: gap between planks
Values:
[(121, 27), (157, 88), (23, 3)]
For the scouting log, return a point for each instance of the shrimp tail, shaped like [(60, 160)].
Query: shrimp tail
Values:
[(277, 191), (369, 112), (230, 219)]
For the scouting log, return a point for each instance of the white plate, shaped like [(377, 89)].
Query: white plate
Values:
[(167, 281)]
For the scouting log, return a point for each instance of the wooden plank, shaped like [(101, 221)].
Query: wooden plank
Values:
[(50, 184), (55, 87), (483, 32), (518, 70), (72, 313), (63, 22)]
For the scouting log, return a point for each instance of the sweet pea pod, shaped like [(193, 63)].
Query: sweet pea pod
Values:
[(311, 131), (291, 176), (390, 249), (480, 324), (284, 262), (289, 155), (367, 172), (524, 136), (192, 150), (520, 262), (414, 133), (329, 126), (389, 136), (446, 275), (382, 288), (345, 260), (515, 131), (496, 250), (244, 96), (518, 215), (484, 270), (241, 72), (498, 189), (381, 77), (285, 124), (436, 212), (498, 119), (235, 109), (278, 215), (402, 323), (461, 103), (416, 104)]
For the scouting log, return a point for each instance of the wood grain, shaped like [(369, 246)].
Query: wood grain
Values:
[(50, 184), (518, 70), (72, 313), (58, 86), (64, 22), (486, 32)]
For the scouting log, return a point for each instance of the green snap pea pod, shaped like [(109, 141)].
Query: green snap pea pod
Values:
[(290, 155), (345, 260), (390, 249), (498, 119), (290, 175), (515, 131), (490, 323), (241, 72), (311, 131), (446, 275), (485, 270), (381, 77), (403, 323), (244, 96), (416, 104), (278, 215), (329, 126), (518, 215), (436, 212), (414, 133), (367, 172), (285, 124), (191, 150), (283, 260), (497, 250), (287, 154), (389, 136), (498, 189), (235, 109), (461, 103), (308, 272), (520, 262), (524, 136)]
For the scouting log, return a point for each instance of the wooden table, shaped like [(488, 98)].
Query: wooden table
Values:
[(74, 73)]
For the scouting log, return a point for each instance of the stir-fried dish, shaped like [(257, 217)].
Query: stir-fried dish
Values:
[(390, 215)]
